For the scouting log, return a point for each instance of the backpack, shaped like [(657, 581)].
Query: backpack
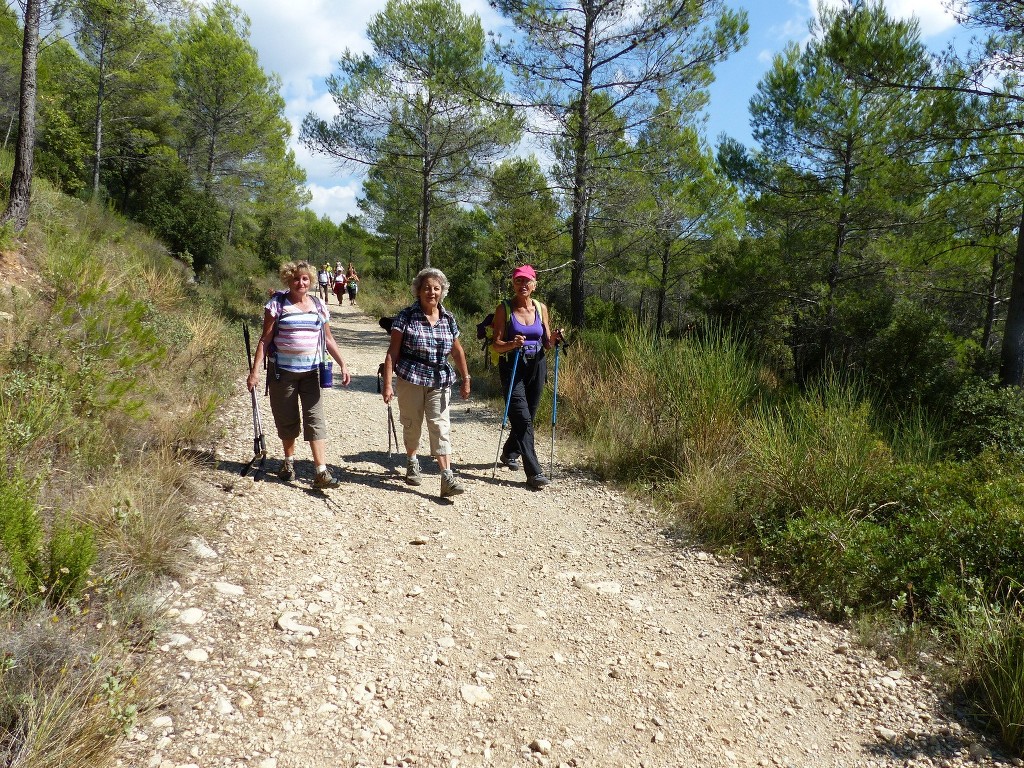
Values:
[(485, 331)]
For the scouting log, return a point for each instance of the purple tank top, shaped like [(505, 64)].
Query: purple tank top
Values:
[(533, 333)]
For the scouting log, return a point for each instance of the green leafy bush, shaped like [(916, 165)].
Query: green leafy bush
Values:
[(914, 360), (21, 534), (833, 561), (38, 567), (985, 415)]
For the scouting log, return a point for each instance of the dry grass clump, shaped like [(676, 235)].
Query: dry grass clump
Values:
[(206, 357), (141, 518), (66, 693)]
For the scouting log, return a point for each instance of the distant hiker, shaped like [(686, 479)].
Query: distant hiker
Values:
[(352, 283), (339, 284), (323, 279), (422, 336), (296, 334), (521, 324)]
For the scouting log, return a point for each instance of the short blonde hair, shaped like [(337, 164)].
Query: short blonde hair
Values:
[(290, 270), (424, 274)]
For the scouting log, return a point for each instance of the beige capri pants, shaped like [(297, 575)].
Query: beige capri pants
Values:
[(415, 403), (286, 394)]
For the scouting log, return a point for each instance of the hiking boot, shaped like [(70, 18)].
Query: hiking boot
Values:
[(325, 480), (510, 461), (538, 482), (287, 472), (413, 476), (450, 485)]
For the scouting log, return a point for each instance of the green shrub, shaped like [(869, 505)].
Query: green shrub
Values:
[(987, 416), (37, 567), (21, 534), (834, 561), (914, 360), (71, 553), (952, 522)]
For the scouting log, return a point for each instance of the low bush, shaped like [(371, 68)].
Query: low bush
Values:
[(985, 415), (38, 565)]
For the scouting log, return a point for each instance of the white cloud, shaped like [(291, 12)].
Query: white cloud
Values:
[(335, 202), (932, 15)]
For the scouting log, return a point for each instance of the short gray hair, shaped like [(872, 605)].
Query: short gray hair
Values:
[(429, 272)]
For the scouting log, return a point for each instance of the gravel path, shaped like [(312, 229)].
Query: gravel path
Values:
[(379, 625)]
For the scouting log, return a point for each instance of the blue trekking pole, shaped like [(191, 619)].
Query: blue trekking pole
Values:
[(554, 415), (508, 400)]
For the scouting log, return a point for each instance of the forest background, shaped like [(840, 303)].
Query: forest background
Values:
[(809, 353)]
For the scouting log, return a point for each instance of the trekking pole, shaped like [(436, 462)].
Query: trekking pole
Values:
[(554, 415), (259, 443), (508, 400), (392, 433)]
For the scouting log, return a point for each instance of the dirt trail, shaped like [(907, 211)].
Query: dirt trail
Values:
[(507, 627)]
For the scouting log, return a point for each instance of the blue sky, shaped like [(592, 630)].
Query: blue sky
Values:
[(302, 40)]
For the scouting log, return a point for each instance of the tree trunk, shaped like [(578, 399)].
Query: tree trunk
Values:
[(98, 137), (425, 218), (991, 302), (1011, 372), (662, 289), (581, 181), (21, 178), (835, 267)]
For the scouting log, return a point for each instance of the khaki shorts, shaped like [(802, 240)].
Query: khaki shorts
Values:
[(286, 396), (416, 403)]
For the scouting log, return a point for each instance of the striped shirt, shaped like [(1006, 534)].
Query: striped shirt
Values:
[(423, 359), (296, 343)]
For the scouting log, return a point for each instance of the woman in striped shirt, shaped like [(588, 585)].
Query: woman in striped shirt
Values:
[(296, 330)]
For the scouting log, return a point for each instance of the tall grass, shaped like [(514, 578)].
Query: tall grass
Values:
[(990, 640), (817, 451), (653, 409)]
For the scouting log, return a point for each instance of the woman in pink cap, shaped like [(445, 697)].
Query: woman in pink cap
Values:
[(521, 325)]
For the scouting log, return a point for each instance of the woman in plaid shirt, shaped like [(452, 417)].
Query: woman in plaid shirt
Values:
[(423, 335)]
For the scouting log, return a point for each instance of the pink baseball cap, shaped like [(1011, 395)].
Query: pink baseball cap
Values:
[(524, 271)]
